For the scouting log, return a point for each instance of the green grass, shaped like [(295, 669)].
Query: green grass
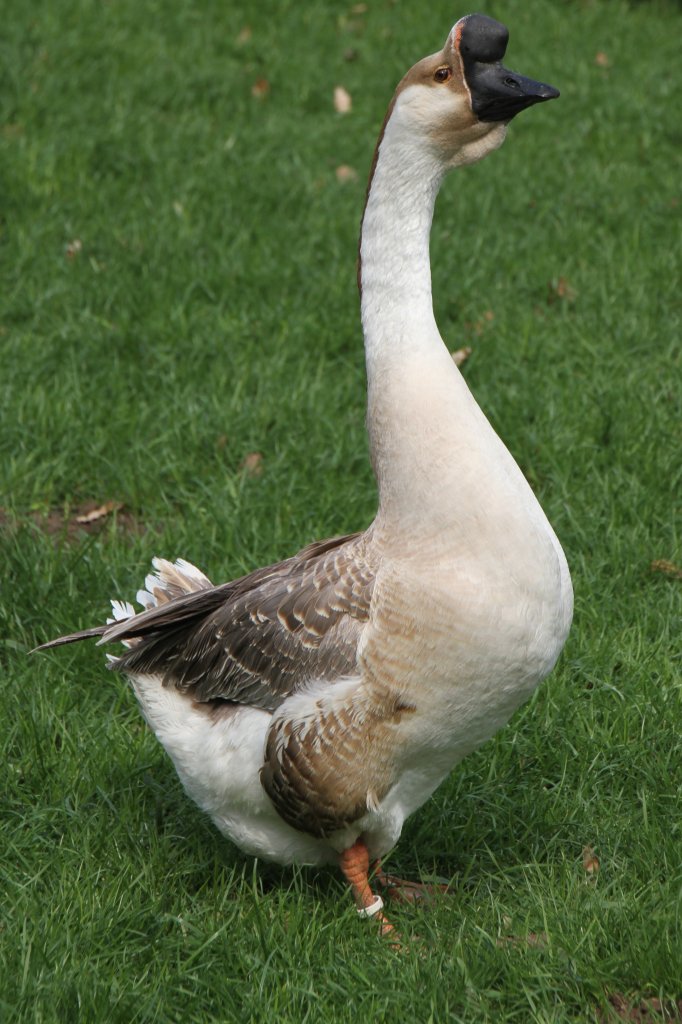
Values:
[(210, 312)]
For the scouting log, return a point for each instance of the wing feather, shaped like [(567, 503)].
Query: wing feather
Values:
[(261, 638)]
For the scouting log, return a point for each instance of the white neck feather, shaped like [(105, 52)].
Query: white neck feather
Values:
[(395, 265), (435, 456)]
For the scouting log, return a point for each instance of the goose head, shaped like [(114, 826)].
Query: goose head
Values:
[(460, 100)]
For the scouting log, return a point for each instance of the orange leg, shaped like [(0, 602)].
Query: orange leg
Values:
[(354, 862)]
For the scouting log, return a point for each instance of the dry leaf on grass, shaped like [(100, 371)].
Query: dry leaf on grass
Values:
[(260, 88), (99, 513), (590, 860), (252, 464), (461, 355), (342, 100), (244, 36), (560, 291), (89, 517), (642, 1011), (345, 173), (667, 568), (601, 60)]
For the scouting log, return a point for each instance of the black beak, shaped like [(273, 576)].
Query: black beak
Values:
[(498, 94)]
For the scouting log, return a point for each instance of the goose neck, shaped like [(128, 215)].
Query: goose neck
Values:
[(395, 270)]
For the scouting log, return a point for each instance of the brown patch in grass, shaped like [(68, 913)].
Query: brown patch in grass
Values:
[(590, 861), (252, 464), (666, 568), (90, 517), (641, 1011), (260, 89), (345, 173), (560, 290)]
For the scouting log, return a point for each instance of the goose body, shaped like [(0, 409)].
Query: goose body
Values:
[(311, 706)]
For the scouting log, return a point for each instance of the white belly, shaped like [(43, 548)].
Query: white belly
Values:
[(218, 758)]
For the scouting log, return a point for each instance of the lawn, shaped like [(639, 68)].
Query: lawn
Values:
[(181, 357)]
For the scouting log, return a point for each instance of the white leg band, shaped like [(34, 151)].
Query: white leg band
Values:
[(375, 906)]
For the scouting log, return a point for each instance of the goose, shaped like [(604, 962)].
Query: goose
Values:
[(310, 706)]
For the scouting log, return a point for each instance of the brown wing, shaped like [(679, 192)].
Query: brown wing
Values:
[(260, 638)]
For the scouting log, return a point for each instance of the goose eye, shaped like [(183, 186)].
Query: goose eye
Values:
[(442, 74)]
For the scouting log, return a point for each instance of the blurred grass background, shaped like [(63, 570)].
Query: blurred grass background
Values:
[(178, 265)]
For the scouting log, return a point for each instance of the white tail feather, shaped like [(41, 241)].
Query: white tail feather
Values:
[(171, 580), (181, 574), (121, 610)]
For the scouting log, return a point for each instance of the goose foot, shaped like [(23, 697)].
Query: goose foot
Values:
[(354, 863), (406, 891)]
